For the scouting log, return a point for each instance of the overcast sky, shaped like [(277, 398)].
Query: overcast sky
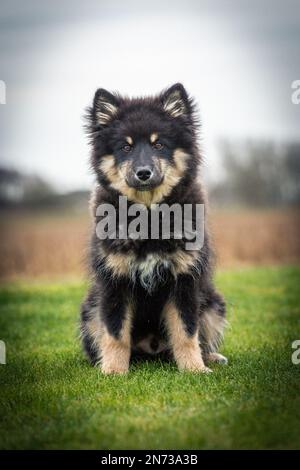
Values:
[(237, 58)]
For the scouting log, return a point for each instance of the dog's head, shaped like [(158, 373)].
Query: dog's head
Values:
[(143, 147)]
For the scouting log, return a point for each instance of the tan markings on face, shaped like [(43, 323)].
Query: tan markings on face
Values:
[(186, 349), (108, 167), (115, 174), (115, 353), (172, 175), (122, 170), (180, 158), (142, 197), (129, 140), (153, 137)]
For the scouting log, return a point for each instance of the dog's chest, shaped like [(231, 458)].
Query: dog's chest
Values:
[(151, 270)]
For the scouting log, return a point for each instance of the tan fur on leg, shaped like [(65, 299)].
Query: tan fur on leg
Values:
[(186, 349), (115, 353)]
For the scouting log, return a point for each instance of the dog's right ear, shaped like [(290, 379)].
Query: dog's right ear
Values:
[(105, 106), (175, 101)]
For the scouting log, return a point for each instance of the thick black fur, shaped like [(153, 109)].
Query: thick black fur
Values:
[(192, 291)]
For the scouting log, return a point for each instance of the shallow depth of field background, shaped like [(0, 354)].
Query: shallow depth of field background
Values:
[(238, 59)]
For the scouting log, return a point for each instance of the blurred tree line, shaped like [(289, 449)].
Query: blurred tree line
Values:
[(19, 190), (258, 174)]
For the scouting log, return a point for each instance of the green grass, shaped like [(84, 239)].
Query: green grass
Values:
[(51, 398)]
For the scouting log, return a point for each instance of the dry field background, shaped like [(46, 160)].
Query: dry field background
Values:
[(54, 245)]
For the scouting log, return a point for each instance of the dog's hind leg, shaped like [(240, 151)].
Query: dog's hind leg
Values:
[(91, 328), (217, 358), (211, 328)]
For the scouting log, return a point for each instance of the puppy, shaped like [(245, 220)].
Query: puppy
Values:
[(149, 294)]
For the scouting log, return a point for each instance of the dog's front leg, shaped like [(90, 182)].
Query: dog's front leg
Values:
[(181, 320), (115, 341)]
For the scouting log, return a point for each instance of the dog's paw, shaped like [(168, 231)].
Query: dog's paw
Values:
[(205, 370), (198, 368), (113, 369), (217, 358)]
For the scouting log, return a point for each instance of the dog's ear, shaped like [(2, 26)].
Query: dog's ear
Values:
[(105, 106), (175, 101)]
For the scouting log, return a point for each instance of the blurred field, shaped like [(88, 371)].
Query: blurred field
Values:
[(256, 237), (55, 244)]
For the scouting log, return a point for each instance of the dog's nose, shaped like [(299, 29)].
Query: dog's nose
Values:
[(144, 173)]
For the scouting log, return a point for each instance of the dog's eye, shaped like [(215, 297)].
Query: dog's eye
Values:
[(158, 145), (127, 148)]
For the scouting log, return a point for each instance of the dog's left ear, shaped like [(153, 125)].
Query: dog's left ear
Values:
[(175, 100), (105, 106)]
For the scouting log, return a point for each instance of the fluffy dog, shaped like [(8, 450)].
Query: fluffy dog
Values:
[(148, 295)]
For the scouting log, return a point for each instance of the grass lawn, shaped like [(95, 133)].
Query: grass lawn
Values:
[(50, 397)]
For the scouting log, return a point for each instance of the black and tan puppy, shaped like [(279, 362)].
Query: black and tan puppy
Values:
[(148, 294)]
